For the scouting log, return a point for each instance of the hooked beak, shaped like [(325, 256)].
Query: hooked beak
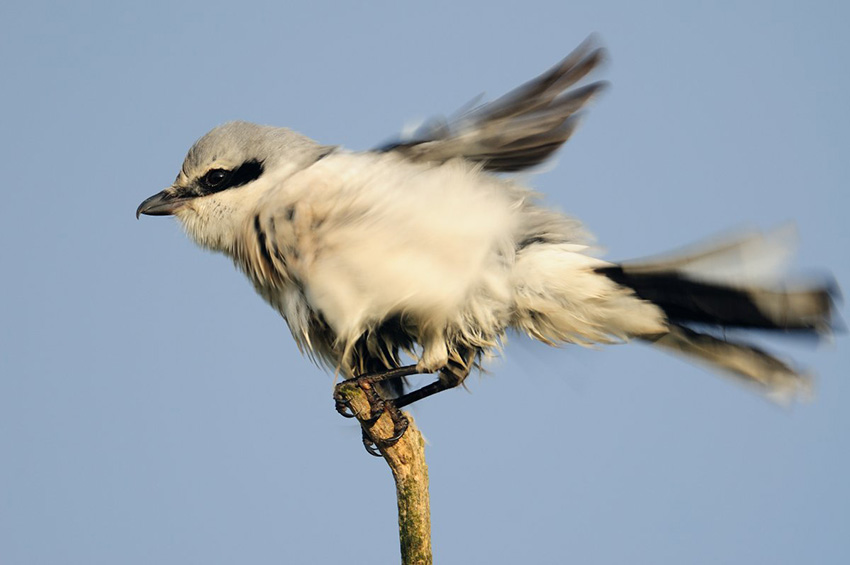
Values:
[(163, 203)]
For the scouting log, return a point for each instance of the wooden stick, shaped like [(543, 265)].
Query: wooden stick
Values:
[(410, 471)]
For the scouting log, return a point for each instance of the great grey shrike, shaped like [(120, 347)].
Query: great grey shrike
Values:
[(419, 248)]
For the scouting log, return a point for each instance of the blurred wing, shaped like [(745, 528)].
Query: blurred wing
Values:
[(519, 130)]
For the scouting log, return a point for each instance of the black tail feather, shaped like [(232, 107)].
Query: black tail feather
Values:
[(685, 300)]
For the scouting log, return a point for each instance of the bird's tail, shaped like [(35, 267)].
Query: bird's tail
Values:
[(732, 285)]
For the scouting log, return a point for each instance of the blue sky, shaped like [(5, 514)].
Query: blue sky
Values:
[(154, 410)]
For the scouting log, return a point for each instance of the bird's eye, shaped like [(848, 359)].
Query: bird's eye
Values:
[(215, 178)]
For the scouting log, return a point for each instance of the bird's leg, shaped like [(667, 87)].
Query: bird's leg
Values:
[(446, 381), (393, 407), (400, 422)]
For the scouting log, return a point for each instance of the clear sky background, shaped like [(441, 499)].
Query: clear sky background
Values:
[(154, 410)]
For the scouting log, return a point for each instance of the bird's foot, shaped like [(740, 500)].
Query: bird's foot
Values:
[(400, 424), (377, 406)]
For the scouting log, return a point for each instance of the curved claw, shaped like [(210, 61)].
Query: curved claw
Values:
[(400, 425), (343, 405), (370, 445), (344, 408)]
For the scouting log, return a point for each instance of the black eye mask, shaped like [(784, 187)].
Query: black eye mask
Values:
[(216, 180)]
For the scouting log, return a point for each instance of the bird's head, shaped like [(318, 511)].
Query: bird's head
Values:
[(224, 175)]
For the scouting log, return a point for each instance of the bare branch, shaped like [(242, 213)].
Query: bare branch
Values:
[(410, 471)]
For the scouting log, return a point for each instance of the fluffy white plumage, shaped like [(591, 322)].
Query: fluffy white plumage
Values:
[(362, 237)]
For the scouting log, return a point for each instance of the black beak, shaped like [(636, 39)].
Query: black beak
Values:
[(161, 204)]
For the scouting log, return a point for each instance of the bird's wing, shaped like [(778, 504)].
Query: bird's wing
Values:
[(519, 130)]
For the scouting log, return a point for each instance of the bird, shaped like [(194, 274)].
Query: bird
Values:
[(427, 249)]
